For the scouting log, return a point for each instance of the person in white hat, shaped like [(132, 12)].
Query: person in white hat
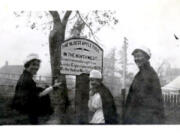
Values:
[(141, 55), (144, 104), (29, 99), (101, 101)]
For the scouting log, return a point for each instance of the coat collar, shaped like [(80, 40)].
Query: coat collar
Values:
[(27, 73), (145, 66)]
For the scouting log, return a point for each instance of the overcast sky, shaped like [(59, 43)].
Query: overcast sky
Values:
[(152, 24)]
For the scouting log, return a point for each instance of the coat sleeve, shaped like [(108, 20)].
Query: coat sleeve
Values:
[(30, 95), (150, 92), (109, 107)]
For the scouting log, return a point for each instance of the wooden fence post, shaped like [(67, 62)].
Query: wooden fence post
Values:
[(81, 98)]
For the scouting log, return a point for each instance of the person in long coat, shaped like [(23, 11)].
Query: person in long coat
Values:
[(30, 100), (101, 101), (144, 104)]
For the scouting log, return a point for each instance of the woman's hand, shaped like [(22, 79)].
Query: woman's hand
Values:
[(57, 85), (51, 88)]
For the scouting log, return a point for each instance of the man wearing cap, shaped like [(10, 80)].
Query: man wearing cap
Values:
[(144, 104), (30, 100), (101, 101)]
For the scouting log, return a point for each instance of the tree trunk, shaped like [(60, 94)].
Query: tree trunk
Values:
[(59, 97)]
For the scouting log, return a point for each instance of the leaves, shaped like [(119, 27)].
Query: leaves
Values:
[(93, 21), (35, 20), (33, 26), (16, 14), (17, 26), (40, 17)]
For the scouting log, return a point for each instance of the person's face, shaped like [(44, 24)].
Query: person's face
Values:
[(34, 67), (140, 58), (94, 83)]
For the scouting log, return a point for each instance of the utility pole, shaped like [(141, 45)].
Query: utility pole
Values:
[(124, 62), (123, 91)]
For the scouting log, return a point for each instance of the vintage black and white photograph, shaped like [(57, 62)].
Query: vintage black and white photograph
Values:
[(116, 66)]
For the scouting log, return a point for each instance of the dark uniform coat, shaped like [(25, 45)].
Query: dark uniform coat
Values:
[(144, 104), (26, 99), (109, 108)]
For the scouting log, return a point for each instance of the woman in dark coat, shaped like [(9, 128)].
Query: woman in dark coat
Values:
[(30, 100), (144, 104)]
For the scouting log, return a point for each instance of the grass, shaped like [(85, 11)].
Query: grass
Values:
[(11, 117), (7, 115)]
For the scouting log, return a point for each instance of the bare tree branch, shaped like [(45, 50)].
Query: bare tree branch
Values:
[(91, 31), (160, 66), (65, 18), (70, 19)]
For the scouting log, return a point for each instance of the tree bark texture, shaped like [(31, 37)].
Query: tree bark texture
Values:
[(59, 97)]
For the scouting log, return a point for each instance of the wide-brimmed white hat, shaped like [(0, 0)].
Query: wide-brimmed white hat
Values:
[(30, 57), (95, 74), (143, 49)]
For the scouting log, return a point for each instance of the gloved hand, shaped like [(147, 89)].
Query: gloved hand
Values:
[(51, 88), (57, 85)]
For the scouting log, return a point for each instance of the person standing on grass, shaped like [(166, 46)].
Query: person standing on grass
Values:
[(29, 100), (144, 104)]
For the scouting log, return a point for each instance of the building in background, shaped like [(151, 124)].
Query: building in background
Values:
[(9, 74)]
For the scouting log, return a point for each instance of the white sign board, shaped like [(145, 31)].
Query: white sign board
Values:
[(80, 55)]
